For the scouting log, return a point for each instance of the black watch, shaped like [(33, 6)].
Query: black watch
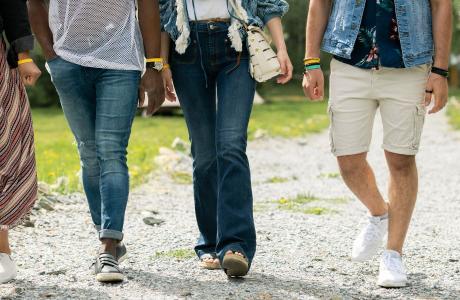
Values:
[(440, 72)]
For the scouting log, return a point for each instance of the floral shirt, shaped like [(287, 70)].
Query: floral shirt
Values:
[(378, 39)]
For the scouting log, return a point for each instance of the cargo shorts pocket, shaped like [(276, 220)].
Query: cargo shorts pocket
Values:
[(419, 120)]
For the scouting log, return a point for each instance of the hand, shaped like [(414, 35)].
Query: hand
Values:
[(50, 55), (29, 73), (168, 85), (313, 85), (286, 67), (152, 84), (440, 88)]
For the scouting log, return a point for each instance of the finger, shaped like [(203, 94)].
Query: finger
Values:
[(321, 88), (305, 85), (151, 104), (283, 67), (312, 90), (282, 79), (27, 80), (141, 96), (160, 99), (290, 71), (428, 95), (440, 102), (170, 91)]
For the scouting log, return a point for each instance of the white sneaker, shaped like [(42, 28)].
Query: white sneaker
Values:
[(392, 271), (7, 268), (369, 241)]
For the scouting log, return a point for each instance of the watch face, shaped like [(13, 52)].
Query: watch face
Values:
[(154, 65), (158, 66)]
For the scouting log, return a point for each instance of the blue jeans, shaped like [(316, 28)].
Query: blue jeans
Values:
[(216, 95), (100, 106)]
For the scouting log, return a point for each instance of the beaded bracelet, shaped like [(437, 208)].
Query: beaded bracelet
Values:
[(24, 61)]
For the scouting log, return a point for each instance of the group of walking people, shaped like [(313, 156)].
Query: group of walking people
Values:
[(105, 55)]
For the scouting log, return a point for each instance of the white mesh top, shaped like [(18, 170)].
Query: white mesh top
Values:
[(97, 33)]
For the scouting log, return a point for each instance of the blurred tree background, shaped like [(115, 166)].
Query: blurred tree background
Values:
[(44, 95)]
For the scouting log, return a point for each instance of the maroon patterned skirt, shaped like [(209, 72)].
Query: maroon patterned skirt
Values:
[(18, 177)]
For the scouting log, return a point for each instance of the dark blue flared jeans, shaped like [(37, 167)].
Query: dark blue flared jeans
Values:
[(216, 94)]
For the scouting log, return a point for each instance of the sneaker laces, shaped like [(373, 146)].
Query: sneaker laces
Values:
[(372, 232), (393, 263)]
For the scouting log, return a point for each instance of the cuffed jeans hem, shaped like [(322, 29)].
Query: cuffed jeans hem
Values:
[(201, 252), (235, 248), (350, 151), (98, 228), (400, 150), (110, 234)]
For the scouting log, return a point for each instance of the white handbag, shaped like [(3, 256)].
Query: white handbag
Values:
[(264, 64)]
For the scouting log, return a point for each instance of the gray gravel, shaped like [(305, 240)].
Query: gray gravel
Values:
[(300, 255)]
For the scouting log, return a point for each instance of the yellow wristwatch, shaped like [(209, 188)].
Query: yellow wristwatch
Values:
[(154, 63)]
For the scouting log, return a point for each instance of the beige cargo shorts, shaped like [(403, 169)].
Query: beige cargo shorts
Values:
[(355, 96)]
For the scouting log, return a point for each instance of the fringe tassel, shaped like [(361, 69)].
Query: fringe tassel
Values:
[(234, 29), (182, 26), (235, 36)]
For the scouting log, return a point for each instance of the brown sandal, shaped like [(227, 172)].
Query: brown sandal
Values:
[(235, 265), (209, 265)]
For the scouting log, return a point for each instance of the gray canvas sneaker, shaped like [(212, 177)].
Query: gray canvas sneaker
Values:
[(106, 269)]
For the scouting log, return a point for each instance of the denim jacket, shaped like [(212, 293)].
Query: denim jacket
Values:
[(175, 20), (414, 22)]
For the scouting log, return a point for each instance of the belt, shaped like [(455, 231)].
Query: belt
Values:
[(213, 20)]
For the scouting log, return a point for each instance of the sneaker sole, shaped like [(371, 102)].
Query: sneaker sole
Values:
[(6, 280), (392, 284), (109, 277)]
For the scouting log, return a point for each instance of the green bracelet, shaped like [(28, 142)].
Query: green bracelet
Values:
[(312, 67)]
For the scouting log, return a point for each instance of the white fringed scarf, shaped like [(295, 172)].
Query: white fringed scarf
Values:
[(182, 24)]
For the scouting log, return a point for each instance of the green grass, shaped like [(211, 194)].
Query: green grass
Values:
[(317, 211), (329, 175), (57, 154), (300, 203), (277, 179), (178, 254), (296, 203), (289, 119)]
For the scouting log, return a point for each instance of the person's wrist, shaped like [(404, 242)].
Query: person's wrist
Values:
[(440, 72), (23, 55), (441, 64), (281, 47)]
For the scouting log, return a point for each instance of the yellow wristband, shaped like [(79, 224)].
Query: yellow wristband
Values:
[(166, 66), (311, 60), (154, 59), (24, 61)]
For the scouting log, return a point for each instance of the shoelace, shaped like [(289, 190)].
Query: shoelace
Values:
[(393, 264), (372, 231)]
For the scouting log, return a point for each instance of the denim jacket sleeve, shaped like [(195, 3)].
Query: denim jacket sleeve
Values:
[(269, 9), (168, 16)]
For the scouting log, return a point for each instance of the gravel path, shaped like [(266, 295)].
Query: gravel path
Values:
[(303, 249)]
